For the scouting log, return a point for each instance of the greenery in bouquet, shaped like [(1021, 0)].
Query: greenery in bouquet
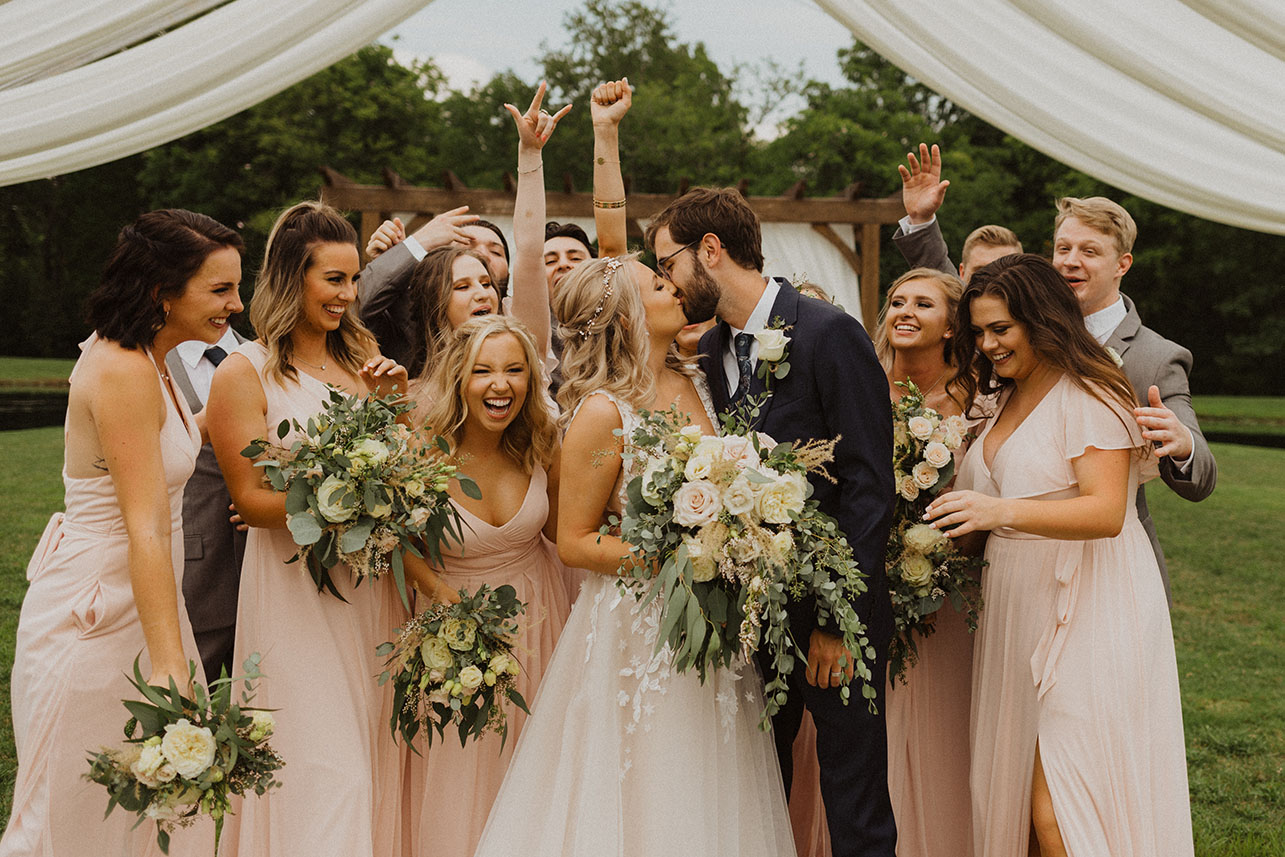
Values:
[(725, 536), (925, 569), (361, 488), (454, 664), (186, 756)]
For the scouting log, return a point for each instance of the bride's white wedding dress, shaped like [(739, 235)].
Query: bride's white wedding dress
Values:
[(623, 756)]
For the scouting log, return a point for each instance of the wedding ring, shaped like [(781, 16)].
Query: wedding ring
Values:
[(836, 674)]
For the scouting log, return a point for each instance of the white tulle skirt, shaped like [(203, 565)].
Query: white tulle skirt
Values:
[(621, 756)]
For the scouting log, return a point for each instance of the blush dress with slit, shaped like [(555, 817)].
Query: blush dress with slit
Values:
[(78, 635), (1075, 653)]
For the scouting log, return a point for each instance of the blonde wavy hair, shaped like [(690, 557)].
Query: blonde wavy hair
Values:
[(951, 289), (605, 344), (531, 438), (277, 305)]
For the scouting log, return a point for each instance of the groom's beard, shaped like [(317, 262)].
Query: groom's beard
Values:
[(700, 296)]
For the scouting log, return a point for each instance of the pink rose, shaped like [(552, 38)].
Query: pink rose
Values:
[(697, 503)]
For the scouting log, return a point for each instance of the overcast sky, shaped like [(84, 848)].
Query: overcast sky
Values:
[(470, 40)]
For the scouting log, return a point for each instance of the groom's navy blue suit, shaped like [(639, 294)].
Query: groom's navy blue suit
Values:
[(835, 388)]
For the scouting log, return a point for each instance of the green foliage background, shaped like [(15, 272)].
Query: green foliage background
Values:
[(1213, 288)]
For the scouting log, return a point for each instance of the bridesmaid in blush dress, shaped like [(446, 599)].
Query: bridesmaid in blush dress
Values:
[(490, 407), (342, 785), (1077, 723), (106, 578)]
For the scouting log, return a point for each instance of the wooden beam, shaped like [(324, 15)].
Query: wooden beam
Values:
[(393, 179), (795, 190), (870, 276), (334, 178), (370, 221), (452, 181)]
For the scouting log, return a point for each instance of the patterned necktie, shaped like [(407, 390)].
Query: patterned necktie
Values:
[(215, 355), (743, 365)]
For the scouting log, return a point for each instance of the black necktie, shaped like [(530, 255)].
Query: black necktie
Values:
[(743, 365), (215, 355)]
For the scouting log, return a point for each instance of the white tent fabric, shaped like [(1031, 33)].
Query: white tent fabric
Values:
[(194, 75), (1178, 101)]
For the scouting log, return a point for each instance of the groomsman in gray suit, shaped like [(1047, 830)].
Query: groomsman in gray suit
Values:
[(1093, 248), (212, 546)]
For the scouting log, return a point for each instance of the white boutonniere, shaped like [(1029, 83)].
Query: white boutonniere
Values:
[(1115, 357), (774, 351)]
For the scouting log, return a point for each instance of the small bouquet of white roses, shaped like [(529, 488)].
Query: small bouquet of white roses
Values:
[(925, 570), (454, 664), (361, 488), (728, 523), (184, 757)]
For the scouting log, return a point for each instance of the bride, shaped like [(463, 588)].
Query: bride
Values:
[(621, 754)]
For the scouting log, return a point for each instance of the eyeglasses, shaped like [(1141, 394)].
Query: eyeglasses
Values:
[(667, 262)]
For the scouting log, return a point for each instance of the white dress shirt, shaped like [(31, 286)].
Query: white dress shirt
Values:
[(199, 370), (757, 322), (1103, 323)]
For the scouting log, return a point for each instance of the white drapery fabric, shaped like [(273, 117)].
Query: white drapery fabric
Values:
[(76, 90), (1178, 101)]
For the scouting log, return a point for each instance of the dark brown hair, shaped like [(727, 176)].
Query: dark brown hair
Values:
[(722, 211), (152, 261), (1039, 299), (431, 284)]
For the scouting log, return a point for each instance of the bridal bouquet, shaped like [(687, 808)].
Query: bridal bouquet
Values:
[(361, 488), (454, 664), (925, 570), (184, 757), (724, 536)]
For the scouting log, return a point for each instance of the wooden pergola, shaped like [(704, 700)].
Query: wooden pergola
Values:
[(377, 203)]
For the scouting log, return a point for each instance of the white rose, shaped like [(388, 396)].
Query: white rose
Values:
[(696, 503), (954, 440), (925, 475), (381, 511), (744, 550), (700, 466), (690, 435), (956, 424), (262, 724), (917, 571), (924, 539), (160, 812), (330, 500), (771, 344), (920, 427), (741, 450), (937, 454), (367, 453), (459, 634), (738, 498), (783, 544), (649, 492), (471, 677), (766, 442), (190, 749), (144, 768), (907, 488), (414, 488), (501, 663), (418, 516), (778, 500), (436, 654), (703, 565)]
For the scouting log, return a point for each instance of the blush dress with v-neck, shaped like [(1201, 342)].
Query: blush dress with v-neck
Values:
[(452, 787), (1074, 651)]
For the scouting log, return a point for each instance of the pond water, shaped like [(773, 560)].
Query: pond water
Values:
[(24, 409)]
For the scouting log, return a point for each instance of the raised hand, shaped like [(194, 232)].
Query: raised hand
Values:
[(384, 376), (389, 234), (922, 189), (535, 126), (610, 102), (445, 228)]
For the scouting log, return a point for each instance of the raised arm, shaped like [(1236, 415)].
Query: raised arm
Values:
[(608, 106), (918, 237), (530, 295)]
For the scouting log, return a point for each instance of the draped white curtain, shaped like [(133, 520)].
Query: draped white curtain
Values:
[(76, 90), (1178, 101)]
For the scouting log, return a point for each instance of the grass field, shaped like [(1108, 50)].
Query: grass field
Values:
[(1229, 627)]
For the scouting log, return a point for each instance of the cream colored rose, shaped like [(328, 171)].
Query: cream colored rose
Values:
[(502, 663), (784, 496), (471, 677), (189, 748), (906, 487), (953, 439), (436, 654), (957, 424), (783, 544), (414, 487), (920, 427), (330, 500), (924, 539), (925, 475), (419, 516), (917, 571), (380, 511), (649, 491), (766, 442), (262, 725), (937, 454), (745, 549), (459, 634), (689, 436), (703, 565), (741, 450), (145, 767), (771, 344), (367, 453), (696, 503), (738, 498)]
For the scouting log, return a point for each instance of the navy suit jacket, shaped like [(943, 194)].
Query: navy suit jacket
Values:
[(835, 388)]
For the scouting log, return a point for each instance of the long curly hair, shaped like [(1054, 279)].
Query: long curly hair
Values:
[(431, 284), (1038, 298), (277, 306), (531, 438)]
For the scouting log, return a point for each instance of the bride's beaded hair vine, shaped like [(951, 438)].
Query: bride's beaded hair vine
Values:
[(613, 264)]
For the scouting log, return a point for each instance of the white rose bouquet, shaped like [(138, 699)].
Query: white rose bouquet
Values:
[(925, 570), (361, 489), (454, 663), (726, 526), (184, 757)]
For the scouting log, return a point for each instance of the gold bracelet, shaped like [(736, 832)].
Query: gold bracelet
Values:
[(534, 169), (598, 203)]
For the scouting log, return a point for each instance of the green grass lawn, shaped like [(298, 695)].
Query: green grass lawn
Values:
[(1229, 626), (17, 369)]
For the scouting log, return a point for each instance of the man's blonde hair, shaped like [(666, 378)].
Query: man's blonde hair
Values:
[(990, 235), (1100, 213)]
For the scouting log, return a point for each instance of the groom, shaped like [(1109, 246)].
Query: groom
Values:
[(709, 244)]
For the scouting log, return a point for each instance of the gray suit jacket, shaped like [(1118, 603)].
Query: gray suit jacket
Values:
[(383, 302), (212, 548), (1148, 359)]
